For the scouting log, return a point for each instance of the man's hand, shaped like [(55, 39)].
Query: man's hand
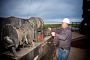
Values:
[(53, 33), (49, 29)]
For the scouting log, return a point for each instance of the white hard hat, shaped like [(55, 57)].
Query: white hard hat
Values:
[(66, 20)]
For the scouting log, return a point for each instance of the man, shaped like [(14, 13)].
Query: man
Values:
[(64, 40)]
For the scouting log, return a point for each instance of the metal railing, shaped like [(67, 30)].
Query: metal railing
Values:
[(75, 26)]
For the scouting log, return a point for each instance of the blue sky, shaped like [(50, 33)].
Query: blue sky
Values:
[(51, 11)]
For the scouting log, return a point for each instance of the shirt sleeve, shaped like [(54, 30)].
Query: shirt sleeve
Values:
[(63, 36)]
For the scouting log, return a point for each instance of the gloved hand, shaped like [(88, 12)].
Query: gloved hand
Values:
[(53, 33)]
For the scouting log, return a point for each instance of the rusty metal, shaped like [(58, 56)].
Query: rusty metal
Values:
[(20, 32)]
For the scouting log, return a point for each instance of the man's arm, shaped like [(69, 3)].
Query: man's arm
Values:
[(63, 36)]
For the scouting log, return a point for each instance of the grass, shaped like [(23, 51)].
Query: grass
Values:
[(58, 25), (51, 25)]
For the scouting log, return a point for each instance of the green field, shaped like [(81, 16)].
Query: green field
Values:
[(51, 25), (59, 25)]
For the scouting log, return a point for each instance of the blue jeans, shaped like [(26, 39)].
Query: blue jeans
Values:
[(63, 54)]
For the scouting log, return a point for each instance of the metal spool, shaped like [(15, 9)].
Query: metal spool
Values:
[(37, 26), (23, 29), (18, 36), (38, 22), (11, 32), (16, 22), (29, 32), (20, 31)]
